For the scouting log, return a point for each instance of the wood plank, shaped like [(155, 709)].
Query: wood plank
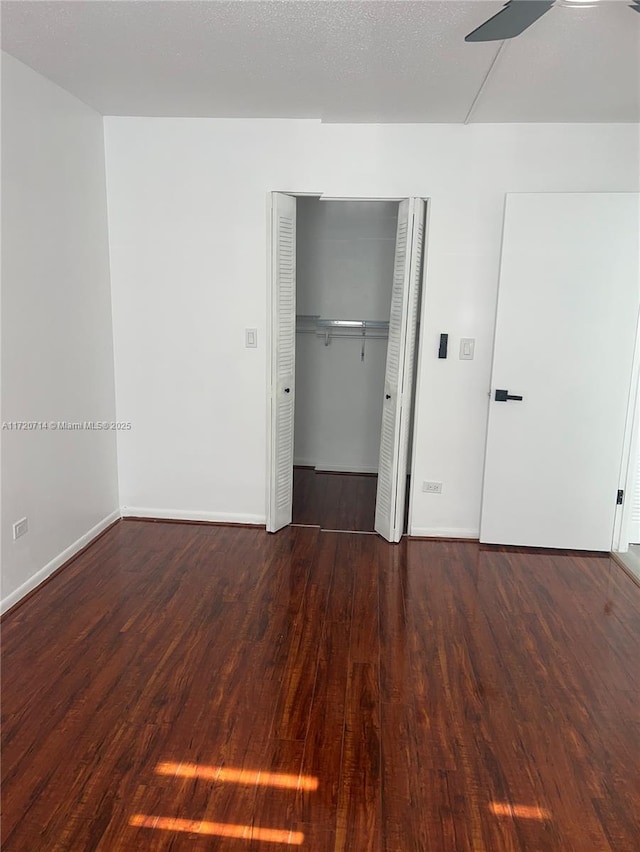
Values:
[(365, 627), (359, 816)]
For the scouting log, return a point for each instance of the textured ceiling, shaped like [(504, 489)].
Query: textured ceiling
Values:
[(338, 61)]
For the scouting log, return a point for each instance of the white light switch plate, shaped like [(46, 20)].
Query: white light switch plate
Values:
[(251, 338), (467, 348), (20, 528)]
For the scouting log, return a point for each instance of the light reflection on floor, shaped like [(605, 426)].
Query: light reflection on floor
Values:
[(519, 811), (221, 829), (227, 774)]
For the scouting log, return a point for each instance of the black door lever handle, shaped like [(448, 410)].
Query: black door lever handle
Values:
[(504, 395)]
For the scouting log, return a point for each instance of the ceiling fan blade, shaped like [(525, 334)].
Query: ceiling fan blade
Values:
[(636, 5), (514, 19)]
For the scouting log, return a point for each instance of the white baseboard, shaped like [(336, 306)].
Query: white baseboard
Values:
[(303, 463), (336, 468), (346, 468), (41, 575), (193, 515), (444, 532)]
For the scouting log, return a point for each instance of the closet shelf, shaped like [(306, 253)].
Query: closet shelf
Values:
[(328, 328)]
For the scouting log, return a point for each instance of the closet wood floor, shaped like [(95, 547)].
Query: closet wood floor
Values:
[(334, 501), (184, 687)]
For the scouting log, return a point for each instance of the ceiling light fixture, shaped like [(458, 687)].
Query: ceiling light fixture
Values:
[(579, 3), (519, 15)]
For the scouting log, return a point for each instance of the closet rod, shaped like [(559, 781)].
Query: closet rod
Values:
[(361, 330), (363, 324), (372, 333), (307, 322)]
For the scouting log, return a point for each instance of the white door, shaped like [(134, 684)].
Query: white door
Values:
[(283, 347), (565, 332), (398, 383)]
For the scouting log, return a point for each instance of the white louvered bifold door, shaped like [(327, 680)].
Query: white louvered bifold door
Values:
[(283, 259), (398, 383)]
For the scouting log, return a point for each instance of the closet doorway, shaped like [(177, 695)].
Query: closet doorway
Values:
[(345, 294)]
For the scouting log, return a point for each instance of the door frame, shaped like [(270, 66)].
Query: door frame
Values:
[(620, 542), (270, 324)]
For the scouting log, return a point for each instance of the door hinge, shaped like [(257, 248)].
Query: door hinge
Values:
[(620, 497)]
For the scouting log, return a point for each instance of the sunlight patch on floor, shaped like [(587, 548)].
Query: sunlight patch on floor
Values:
[(519, 811), (249, 777), (219, 829)]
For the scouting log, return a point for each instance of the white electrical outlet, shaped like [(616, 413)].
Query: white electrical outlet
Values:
[(20, 528), (432, 487)]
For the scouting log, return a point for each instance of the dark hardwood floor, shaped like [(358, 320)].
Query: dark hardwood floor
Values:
[(334, 501), (423, 696)]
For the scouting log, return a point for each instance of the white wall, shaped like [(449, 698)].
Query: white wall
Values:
[(345, 254), (187, 210), (57, 347), (345, 258)]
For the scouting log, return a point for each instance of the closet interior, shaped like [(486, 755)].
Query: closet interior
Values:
[(344, 276)]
